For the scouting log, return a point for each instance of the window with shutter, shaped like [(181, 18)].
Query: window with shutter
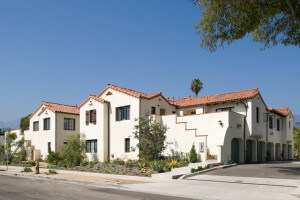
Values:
[(87, 117), (94, 116)]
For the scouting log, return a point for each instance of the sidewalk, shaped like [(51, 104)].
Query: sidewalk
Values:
[(65, 175)]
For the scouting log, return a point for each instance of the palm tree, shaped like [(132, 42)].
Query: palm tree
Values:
[(196, 86)]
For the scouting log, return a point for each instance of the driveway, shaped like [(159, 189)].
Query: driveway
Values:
[(278, 170)]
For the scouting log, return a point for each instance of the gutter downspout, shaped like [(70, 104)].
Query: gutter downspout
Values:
[(246, 109), (108, 131)]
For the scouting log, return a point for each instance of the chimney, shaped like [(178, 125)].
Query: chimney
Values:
[(167, 98), (173, 99), (179, 98)]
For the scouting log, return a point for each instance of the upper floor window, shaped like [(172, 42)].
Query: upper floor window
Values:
[(69, 124), (271, 121), (153, 110), (123, 113), (224, 109), (90, 116), (279, 124), (289, 124), (257, 114), (162, 111), (46, 123), (36, 126), (91, 146), (127, 145)]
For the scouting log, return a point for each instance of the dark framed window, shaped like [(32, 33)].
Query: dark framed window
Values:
[(91, 146), (91, 116), (279, 124), (224, 109), (153, 110), (257, 114), (289, 124), (271, 121), (162, 111), (127, 145), (69, 124), (36, 126), (123, 113), (49, 147), (46, 123)]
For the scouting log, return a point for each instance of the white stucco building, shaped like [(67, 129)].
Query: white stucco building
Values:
[(49, 126), (234, 126), (19, 137), (230, 126)]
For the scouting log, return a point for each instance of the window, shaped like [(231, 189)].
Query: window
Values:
[(65, 142), (90, 116), (69, 124), (36, 126), (49, 147), (123, 113), (153, 110), (289, 124), (47, 124), (127, 145), (271, 121), (91, 146), (257, 114), (162, 111), (279, 124), (224, 109)]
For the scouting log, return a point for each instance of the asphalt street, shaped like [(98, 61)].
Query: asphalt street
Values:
[(16, 188)]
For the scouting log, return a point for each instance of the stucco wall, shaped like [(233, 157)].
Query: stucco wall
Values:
[(96, 131)]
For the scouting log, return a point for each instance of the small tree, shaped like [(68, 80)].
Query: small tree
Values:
[(151, 136), (196, 86), (24, 123), (74, 151), (193, 155), (296, 132)]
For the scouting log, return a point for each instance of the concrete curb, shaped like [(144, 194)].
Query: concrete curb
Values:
[(108, 185), (207, 170)]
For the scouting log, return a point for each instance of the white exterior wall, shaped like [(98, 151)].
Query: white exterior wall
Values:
[(39, 139), (19, 134), (158, 103), (119, 130), (96, 131)]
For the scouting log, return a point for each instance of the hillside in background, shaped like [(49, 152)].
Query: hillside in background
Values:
[(10, 124), (297, 121)]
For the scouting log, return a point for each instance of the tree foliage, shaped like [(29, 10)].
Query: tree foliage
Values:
[(24, 123), (151, 136), (270, 22), (193, 155), (196, 86), (296, 132), (74, 151)]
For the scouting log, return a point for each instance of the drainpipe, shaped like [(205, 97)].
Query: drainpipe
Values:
[(108, 131), (246, 109)]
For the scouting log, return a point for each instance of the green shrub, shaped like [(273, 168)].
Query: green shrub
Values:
[(199, 168), (141, 165), (168, 168), (52, 171), (158, 167), (32, 163), (118, 161), (128, 164), (193, 170), (193, 154), (53, 158), (27, 169), (92, 163), (83, 163), (173, 163)]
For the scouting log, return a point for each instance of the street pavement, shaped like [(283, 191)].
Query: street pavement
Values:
[(16, 188)]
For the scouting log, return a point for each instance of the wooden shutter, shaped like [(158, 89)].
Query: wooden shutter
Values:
[(94, 116), (87, 117)]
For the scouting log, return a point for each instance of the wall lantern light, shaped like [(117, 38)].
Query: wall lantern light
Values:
[(220, 122)]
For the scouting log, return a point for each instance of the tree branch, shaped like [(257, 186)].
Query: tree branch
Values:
[(293, 12)]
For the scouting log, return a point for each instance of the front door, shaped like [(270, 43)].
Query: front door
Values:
[(235, 148)]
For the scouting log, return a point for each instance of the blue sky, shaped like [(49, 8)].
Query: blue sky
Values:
[(63, 51)]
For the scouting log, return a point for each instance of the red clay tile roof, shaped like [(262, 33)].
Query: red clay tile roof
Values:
[(130, 92), (56, 107), (283, 111), (93, 97), (219, 98)]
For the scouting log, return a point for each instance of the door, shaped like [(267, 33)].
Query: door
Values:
[(260, 152), (235, 148), (249, 151), (290, 153)]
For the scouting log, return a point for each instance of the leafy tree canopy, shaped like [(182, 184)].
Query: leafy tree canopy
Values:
[(296, 132), (270, 22), (24, 123), (151, 136)]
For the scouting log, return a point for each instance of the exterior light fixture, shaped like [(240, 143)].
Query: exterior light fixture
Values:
[(220, 122)]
